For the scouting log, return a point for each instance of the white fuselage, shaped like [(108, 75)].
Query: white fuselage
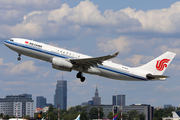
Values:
[(47, 52)]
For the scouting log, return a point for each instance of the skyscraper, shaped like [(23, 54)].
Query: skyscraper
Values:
[(118, 100), (96, 98), (41, 102), (60, 97)]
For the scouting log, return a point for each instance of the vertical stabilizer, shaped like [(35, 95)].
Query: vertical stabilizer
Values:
[(78, 117), (159, 64)]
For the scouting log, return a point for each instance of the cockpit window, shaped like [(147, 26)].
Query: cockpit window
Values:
[(12, 40)]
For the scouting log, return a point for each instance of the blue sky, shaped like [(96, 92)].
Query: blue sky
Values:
[(140, 30)]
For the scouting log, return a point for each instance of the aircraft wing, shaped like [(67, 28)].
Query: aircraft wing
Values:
[(92, 61)]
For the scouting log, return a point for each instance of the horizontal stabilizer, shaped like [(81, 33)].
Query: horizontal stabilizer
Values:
[(151, 77)]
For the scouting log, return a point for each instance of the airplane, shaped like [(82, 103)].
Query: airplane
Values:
[(65, 60), (78, 117)]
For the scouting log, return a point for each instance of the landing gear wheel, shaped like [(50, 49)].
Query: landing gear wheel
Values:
[(19, 58), (82, 79), (79, 75)]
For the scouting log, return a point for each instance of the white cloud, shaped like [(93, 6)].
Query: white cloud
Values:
[(66, 22), (85, 18), (158, 20), (25, 66), (11, 17), (135, 60), (46, 74), (21, 68), (121, 44), (165, 48)]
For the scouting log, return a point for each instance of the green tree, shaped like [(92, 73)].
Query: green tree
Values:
[(51, 116), (124, 116), (50, 108), (27, 116), (6, 117), (110, 115), (93, 114), (158, 114), (142, 116), (1, 115), (84, 116), (132, 114), (63, 115), (72, 110)]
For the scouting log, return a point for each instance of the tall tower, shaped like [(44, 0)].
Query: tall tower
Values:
[(118, 100), (40, 102), (60, 97), (96, 98)]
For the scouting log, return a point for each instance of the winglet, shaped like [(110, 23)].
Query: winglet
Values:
[(115, 54)]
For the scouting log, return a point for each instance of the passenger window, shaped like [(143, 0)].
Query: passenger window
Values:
[(11, 40)]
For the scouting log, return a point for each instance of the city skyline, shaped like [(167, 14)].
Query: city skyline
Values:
[(138, 30)]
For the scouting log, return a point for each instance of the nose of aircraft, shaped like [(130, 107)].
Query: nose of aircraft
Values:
[(5, 42)]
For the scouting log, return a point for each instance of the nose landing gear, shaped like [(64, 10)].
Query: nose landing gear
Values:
[(19, 58), (80, 75)]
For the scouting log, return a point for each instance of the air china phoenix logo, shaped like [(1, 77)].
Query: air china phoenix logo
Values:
[(161, 64)]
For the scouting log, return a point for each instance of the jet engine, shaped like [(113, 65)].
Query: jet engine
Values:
[(61, 64)]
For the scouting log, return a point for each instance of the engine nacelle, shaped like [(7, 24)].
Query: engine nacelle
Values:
[(61, 64), (93, 70), (150, 76)]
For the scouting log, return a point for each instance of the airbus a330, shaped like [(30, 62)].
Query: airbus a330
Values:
[(66, 60)]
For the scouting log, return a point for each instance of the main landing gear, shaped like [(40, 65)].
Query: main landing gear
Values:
[(80, 75), (19, 58)]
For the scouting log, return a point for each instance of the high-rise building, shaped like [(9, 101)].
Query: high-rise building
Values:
[(17, 105), (118, 98), (41, 102), (167, 105), (147, 110), (60, 97), (96, 99)]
